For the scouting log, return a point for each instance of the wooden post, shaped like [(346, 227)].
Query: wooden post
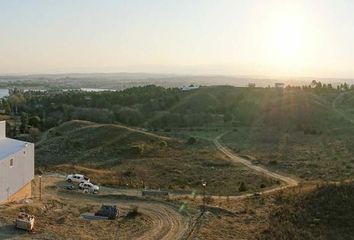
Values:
[(204, 193), (40, 187)]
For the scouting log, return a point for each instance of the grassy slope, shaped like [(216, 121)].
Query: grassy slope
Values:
[(326, 156), (112, 149), (325, 213), (307, 213), (301, 134)]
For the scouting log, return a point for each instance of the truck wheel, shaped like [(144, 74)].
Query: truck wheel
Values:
[(69, 180)]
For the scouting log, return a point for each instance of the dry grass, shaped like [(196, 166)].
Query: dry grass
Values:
[(59, 218), (327, 155), (103, 153)]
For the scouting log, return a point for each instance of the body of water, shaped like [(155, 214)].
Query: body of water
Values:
[(4, 92), (96, 89)]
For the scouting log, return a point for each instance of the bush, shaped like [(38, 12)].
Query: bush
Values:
[(273, 162), (242, 187), (191, 141), (137, 149), (163, 144)]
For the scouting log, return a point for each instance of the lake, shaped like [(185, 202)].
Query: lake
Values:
[(4, 92)]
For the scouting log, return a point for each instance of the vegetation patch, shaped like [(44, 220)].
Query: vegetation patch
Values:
[(324, 213)]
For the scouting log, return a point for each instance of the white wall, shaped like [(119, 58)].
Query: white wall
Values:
[(2, 129), (14, 178)]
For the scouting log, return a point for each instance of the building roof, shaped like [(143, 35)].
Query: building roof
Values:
[(10, 146)]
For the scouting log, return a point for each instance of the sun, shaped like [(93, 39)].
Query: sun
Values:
[(286, 40)]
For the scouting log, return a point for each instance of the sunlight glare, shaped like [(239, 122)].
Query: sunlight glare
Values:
[(287, 37)]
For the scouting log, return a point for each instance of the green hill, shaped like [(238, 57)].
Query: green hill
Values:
[(301, 133), (116, 155), (96, 144)]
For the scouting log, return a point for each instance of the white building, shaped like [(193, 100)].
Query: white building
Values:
[(190, 87), (16, 167), (279, 85)]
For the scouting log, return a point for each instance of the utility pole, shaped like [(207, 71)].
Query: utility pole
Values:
[(204, 184), (40, 187)]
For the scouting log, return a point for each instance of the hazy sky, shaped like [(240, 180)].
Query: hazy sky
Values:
[(265, 37)]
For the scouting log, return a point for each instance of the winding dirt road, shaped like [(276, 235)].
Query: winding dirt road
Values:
[(290, 182), (167, 223)]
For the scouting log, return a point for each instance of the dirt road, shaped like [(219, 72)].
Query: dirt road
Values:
[(165, 221), (290, 182)]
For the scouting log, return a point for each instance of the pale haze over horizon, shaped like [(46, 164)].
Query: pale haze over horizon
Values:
[(266, 38)]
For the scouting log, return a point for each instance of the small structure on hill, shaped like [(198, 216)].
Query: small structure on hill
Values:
[(190, 87), (279, 85), (252, 85), (16, 167)]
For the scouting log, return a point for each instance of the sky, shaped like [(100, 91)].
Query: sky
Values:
[(229, 37)]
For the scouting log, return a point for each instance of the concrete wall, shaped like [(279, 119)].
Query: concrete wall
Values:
[(23, 193), (13, 179), (2, 129)]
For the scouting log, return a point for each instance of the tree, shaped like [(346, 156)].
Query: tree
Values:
[(34, 121), (314, 83), (5, 106), (34, 133), (345, 86), (24, 122), (319, 85), (16, 100)]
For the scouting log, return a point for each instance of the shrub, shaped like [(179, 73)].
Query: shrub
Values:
[(273, 162), (133, 212), (191, 141), (163, 144), (242, 187), (137, 149)]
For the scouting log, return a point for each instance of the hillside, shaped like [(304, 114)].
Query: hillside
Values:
[(288, 108), (97, 144), (116, 155), (153, 107), (308, 136), (310, 212), (324, 213)]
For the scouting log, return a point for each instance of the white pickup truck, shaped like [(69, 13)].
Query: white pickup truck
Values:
[(91, 188), (78, 178)]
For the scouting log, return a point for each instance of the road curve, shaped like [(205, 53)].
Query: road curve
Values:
[(167, 223), (290, 182)]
